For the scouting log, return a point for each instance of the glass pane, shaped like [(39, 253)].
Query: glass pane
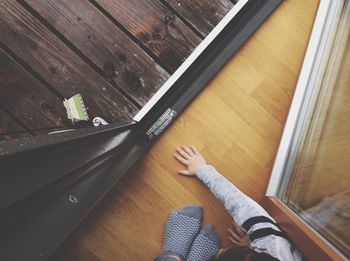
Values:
[(318, 184)]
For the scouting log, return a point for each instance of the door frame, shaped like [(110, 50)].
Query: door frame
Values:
[(307, 92)]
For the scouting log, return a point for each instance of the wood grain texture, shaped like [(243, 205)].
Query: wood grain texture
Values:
[(164, 34), (27, 99), (236, 122), (59, 65), (10, 129), (121, 60), (203, 15)]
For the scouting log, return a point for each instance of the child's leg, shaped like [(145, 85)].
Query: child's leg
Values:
[(180, 230), (205, 245)]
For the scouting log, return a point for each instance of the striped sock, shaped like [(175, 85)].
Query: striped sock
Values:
[(205, 245), (180, 230)]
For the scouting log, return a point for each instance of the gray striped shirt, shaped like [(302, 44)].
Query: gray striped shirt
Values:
[(241, 207)]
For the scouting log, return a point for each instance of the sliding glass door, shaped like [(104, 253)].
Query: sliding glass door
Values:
[(312, 176)]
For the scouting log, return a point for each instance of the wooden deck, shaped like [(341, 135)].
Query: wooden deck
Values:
[(116, 54), (236, 122)]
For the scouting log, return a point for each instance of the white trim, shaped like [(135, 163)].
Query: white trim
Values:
[(309, 68), (194, 55)]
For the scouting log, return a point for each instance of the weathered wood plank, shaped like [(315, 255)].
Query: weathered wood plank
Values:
[(59, 65), (105, 44), (10, 129), (8, 124), (203, 15), (27, 99), (158, 28)]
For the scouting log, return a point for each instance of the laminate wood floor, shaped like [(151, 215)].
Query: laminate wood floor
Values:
[(236, 122)]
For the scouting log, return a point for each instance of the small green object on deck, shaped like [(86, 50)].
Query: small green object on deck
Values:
[(76, 110)]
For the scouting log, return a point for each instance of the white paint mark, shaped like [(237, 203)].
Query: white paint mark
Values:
[(73, 199), (142, 82), (98, 121)]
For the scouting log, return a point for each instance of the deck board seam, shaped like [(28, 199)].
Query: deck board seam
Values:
[(18, 121), (81, 55), (30, 70), (131, 36), (183, 19)]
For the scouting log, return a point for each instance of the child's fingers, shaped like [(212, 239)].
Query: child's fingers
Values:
[(182, 152), (194, 150), (234, 235), (180, 158), (184, 172), (187, 150), (238, 229), (233, 241)]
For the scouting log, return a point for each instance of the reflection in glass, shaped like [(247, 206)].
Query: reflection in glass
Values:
[(318, 187)]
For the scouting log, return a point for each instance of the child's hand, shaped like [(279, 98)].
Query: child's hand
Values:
[(238, 237), (191, 158)]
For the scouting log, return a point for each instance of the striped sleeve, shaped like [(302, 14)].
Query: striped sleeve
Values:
[(239, 205)]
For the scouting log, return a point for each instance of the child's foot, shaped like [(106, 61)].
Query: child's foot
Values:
[(180, 230), (205, 245)]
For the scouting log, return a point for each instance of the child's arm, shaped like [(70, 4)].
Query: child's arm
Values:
[(240, 206)]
